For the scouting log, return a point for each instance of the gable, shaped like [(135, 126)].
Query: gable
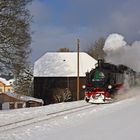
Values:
[(1, 84)]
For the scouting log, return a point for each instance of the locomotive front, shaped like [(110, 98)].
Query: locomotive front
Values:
[(99, 85)]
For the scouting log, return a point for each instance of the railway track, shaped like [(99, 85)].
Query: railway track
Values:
[(47, 116), (43, 117)]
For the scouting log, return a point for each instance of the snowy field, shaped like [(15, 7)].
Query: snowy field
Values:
[(116, 121)]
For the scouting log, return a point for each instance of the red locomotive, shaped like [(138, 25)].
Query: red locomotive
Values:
[(103, 82)]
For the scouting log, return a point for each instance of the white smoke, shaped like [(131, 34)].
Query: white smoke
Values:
[(119, 52), (124, 94), (114, 42)]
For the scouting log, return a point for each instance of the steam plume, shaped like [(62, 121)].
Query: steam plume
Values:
[(120, 52)]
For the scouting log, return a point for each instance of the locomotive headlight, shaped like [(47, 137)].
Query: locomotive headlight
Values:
[(109, 86), (83, 86)]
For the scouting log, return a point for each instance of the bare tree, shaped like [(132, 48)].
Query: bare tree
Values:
[(61, 95), (64, 50), (96, 49)]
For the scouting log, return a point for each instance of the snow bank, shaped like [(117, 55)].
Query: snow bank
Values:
[(116, 121)]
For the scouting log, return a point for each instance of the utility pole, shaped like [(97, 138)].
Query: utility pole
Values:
[(78, 44)]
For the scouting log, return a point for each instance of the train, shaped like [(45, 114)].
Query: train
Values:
[(106, 80)]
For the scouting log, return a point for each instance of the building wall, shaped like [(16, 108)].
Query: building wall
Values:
[(33, 104), (8, 102), (5, 88), (43, 87), (13, 105), (6, 98)]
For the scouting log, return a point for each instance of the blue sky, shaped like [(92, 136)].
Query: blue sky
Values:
[(58, 23)]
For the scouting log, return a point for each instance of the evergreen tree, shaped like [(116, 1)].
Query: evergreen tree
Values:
[(15, 36), (24, 82)]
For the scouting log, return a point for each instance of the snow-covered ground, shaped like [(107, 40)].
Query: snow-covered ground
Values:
[(116, 121)]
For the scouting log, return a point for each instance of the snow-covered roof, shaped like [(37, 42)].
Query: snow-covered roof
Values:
[(6, 82), (23, 97), (63, 64)]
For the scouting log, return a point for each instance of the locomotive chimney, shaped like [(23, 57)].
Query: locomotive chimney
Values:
[(100, 62)]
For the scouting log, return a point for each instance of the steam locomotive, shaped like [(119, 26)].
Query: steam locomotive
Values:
[(105, 80)]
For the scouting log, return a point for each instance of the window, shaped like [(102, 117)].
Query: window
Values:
[(0, 106), (19, 105), (11, 105), (0, 89), (8, 90)]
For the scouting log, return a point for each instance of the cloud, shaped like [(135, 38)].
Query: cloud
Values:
[(58, 24), (125, 19), (52, 38), (41, 13)]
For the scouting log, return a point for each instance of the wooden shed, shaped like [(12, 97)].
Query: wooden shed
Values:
[(14, 101), (58, 70)]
